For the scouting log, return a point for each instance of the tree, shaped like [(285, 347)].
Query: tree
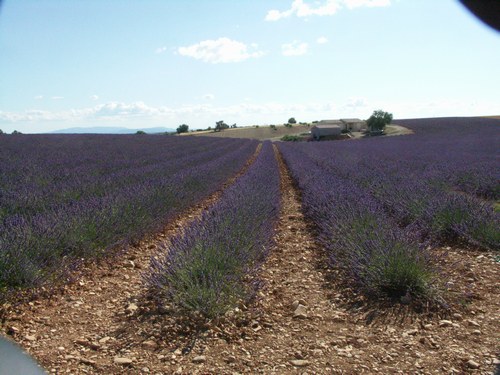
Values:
[(220, 126), (234, 126), (1, 132), (140, 132), (16, 132), (378, 120), (292, 120), (182, 129)]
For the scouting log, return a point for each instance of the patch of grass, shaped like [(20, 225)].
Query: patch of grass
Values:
[(290, 138)]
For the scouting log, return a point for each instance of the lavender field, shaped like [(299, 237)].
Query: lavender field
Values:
[(64, 197), (380, 204), (375, 245)]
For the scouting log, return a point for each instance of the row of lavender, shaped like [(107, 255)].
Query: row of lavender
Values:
[(63, 197), (378, 256), (43, 172), (211, 266), (441, 181), (437, 185), (457, 153)]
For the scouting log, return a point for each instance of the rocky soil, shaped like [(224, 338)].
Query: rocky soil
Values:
[(304, 320)]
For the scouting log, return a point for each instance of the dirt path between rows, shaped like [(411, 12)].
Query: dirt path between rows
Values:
[(299, 323), (304, 325)]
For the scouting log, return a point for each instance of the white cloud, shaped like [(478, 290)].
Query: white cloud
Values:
[(326, 8), (351, 4), (112, 110), (94, 97), (39, 97), (160, 50), (27, 116), (222, 50), (275, 15), (209, 96), (301, 9), (322, 40), (356, 103), (57, 97), (243, 113), (295, 48), (117, 112)]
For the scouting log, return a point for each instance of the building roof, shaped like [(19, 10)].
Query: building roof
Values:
[(326, 126), (351, 120), (330, 122)]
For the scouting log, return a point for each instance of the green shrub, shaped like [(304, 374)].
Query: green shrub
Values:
[(290, 138)]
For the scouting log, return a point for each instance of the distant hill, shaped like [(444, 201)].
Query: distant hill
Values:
[(263, 132), (110, 130)]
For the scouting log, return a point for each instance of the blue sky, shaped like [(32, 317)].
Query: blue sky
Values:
[(151, 63)]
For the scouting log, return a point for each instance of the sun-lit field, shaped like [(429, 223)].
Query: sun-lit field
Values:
[(203, 238), (67, 196), (250, 187), (380, 203)]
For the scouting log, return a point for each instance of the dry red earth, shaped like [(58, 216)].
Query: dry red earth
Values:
[(304, 319)]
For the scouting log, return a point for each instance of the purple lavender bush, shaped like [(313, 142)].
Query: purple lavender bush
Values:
[(443, 180), (378, 257), (63, 197), (209, 267)]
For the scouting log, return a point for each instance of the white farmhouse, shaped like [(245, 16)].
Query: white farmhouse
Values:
[(327, 128), (353, 124)]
